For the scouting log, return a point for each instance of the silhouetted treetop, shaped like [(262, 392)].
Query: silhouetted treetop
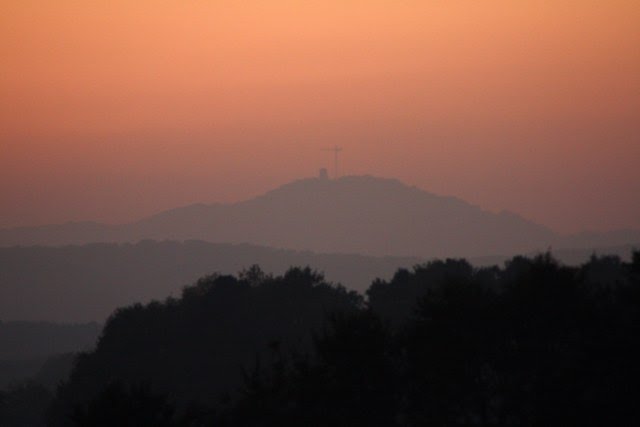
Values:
[(532, 343), (194, 347)]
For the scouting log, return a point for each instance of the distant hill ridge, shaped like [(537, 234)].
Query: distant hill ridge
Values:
[(354, 214)]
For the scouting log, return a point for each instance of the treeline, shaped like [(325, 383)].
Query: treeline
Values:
[(444, 344)]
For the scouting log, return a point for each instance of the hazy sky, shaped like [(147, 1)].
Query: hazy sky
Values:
[(112, 110)]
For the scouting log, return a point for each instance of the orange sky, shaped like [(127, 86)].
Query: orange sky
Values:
[(112, 110)]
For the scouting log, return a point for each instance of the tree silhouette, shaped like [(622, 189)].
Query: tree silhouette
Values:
[(444, 344), (118, 405), (193, 349), (24, 405)]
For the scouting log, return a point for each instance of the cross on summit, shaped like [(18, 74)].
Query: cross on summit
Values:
[(336, 150)]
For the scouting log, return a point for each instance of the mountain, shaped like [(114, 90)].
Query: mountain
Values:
[(365, 215), (354, 214)]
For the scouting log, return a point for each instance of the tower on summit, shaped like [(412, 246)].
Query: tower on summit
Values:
[(336, 150)]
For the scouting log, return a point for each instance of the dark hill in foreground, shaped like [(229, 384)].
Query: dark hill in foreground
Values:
[(197, 346), (533, 343)]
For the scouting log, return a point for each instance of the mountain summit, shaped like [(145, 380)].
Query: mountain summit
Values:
[(353, 214)]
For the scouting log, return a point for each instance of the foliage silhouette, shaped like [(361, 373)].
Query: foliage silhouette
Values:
[(117, 405), (193, 349), (445, 344), (24, 405), (535, 343)]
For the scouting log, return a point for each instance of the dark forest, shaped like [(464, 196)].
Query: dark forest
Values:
[(535, 342)]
